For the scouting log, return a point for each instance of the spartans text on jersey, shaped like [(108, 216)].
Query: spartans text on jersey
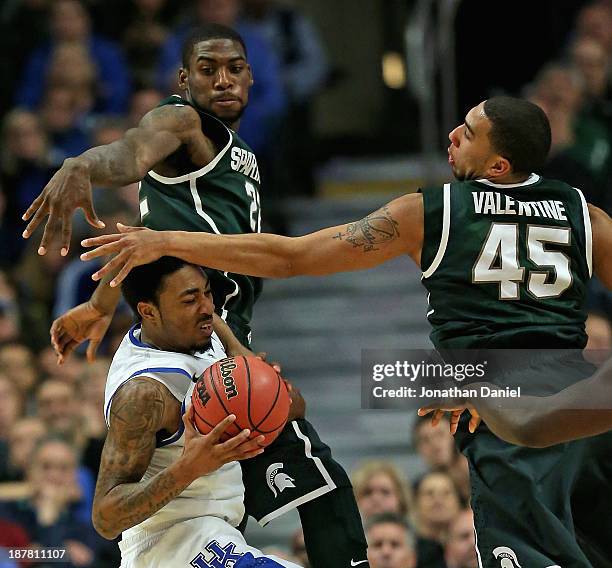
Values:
[(245, 162)]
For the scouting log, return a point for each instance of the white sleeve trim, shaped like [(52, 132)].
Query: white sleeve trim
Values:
[(198, 173), (588, 233), (446, 219)]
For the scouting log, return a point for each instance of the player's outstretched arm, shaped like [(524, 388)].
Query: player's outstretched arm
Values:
[(160, 133), (579, 411), (139, 411), (393, 230), (601, 225)]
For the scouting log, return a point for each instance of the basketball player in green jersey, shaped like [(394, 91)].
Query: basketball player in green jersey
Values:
[(198, 175), (506, 256)]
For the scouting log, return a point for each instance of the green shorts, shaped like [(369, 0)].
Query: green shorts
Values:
[(295, 469), (521, 497), (521, 503)]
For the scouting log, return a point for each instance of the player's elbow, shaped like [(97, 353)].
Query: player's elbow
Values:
[(531, 433), (530, 439), (301, 256), (288, 259), (104, 528)]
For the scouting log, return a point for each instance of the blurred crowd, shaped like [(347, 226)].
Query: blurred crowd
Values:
[(86, 70)]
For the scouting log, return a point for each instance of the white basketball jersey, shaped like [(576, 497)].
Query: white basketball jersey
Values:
[(220, 493)]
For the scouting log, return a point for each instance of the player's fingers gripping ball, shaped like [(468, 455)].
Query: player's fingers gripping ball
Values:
[(247, 387)]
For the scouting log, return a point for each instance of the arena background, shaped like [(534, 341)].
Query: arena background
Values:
[(370, 89)]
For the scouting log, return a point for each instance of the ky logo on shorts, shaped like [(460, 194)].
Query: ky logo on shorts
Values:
[(217, 557), (507, 557), (276, 479)]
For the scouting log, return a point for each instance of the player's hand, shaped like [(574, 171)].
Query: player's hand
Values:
[(274, 364), (297, 410), (205, 453), (82, 323), (455, 414), (68, 190), (133, 247)]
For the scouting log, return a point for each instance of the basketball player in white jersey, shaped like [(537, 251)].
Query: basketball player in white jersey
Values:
[(174, 494)]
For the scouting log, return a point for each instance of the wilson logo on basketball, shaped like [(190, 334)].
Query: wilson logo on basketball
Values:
[(247, 387), (226, 367), (202, 392)]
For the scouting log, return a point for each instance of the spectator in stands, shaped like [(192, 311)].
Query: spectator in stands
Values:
[(592, 61), (25, 434), (380, 488), (460, 549), (26, 163), (9, 310), (595, 21), (91, 394), (12, 536), (17, 363), (303, 61), (266, 97), (60, 410), (108, 130), (22, 25), (304, 71), (437, 503), (70, 23), (391, 543), (298, 548), (59, 111), (10, 247), (146, 32), (141, 103), (70, 372), (581, 150), (11, 406), (36, 281), (436, 447), (48, 514), (72, 68)]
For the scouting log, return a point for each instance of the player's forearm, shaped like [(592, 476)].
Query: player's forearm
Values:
[(581, 410), (112, 165), (511, 422), (105, 298), (543, 426), (126, 160), (230, 342), (263, 255), (128, 504), (273, 256)]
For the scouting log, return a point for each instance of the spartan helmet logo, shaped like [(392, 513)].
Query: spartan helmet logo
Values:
[(507, 557), (276, 479)]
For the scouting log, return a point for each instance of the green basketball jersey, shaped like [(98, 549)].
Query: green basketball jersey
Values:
[(506, 266), (221, 197)]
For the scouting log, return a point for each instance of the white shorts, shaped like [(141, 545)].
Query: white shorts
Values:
[(203, 542)]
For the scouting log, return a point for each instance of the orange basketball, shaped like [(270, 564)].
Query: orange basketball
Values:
[(247, 387)]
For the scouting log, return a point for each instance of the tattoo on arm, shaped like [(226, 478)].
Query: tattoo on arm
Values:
[(121, 499), (128, 159), (377, 228)]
